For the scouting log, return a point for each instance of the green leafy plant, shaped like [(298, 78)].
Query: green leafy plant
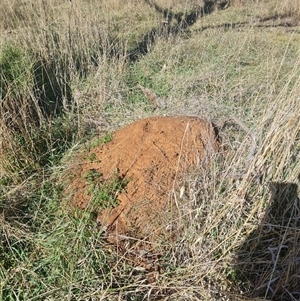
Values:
[(92, 157), (104, 192), (92, 176), (105, 139)]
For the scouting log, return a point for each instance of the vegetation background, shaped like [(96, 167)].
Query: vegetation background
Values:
[(68, 72)]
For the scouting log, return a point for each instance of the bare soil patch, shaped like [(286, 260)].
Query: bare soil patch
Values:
[(148, 157)]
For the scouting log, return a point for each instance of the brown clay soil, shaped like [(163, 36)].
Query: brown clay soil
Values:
[(151, 154)]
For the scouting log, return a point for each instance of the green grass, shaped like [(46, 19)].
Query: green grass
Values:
[(66, 79), (15, 66), (104, 192), (56, 254), (105, 139)]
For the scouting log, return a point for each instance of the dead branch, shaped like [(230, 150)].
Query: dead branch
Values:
[(154, 99), (250, 133)]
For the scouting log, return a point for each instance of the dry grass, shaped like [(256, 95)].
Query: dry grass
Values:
[(246, 231), (66, 75), (286, 11)]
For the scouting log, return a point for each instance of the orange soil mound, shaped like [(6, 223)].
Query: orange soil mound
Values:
[(151, 154)]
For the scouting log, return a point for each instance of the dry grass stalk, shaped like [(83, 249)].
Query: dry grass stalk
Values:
[(154, 99)]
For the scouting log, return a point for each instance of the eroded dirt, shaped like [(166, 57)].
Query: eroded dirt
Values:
[(149, 155)]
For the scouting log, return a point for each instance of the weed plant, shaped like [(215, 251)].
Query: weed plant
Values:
[(69, 70)]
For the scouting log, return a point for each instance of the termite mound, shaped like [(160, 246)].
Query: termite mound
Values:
[(147, 158)]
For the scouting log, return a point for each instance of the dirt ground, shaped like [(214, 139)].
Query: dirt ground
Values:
[(148, 157)]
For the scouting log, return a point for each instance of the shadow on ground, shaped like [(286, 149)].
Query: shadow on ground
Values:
[(269, 259)]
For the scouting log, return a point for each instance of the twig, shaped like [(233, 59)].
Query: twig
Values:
[(252, 149), (154, 99), (251, 154)]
